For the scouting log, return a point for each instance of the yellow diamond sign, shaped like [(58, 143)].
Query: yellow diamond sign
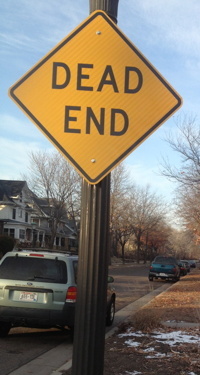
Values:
[(95, 96)]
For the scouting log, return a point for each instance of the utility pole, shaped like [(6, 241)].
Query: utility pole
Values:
[(89, 333)]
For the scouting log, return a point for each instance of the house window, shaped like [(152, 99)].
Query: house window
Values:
[(26, 217), (12, 233), (62, 242), (14, 213), (5, 231), (22, 234), (9, 232)]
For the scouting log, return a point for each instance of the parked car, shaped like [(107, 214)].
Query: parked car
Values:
[(187, 265), (39, 289), (165, 268), (183, 268), (192, 263)]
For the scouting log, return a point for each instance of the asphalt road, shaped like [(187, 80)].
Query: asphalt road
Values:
[(131, 283), (23, 345)]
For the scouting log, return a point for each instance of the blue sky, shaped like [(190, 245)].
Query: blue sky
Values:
[(166, 32)]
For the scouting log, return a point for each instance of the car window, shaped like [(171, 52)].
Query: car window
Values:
[(34, 269), (165, 260)]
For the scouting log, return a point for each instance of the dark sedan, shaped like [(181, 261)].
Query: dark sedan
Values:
[(187, 265), (183, 269), (165, 268)]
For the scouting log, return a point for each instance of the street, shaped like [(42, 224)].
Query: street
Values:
[(23, 345), (131, 283)]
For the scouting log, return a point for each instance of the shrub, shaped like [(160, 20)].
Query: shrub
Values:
[(146, 320), (6, 244)]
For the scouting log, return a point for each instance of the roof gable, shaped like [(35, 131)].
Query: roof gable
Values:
[(10, 189)]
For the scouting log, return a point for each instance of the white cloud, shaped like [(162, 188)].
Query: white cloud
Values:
[(14, 157), (18, 138), (171, 22), (20, 129), (38, 25), (142, 175)]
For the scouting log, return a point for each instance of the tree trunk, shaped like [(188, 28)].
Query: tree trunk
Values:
[(123, 258)]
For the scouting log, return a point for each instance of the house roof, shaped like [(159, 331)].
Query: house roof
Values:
[(15, 222), (10, 189), (41, 204), (71, 233)]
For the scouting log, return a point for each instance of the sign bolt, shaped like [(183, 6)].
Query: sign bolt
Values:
[(98, 32), (93, 160)]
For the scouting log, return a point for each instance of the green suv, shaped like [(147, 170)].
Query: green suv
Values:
[(38, 289)]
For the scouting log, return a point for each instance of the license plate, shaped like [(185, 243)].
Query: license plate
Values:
[(28, 296), (163, 274)]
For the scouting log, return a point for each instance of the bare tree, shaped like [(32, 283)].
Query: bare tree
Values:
[(187, 174), (184, 244), (147, 211), (122, 225), (188, 207), (187, 145), (53, 178), (119, 204), (158, 240), (134, 211)]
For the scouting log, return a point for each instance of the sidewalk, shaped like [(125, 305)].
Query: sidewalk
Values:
[(58, 360)]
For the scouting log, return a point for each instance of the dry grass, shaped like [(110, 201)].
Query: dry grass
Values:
[(146, 321), (180, 303)]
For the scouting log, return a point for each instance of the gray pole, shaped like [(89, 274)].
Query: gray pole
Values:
[(109, 6), (89, 333)]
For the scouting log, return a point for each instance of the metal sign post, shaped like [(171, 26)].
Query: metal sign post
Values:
[(89, 334)]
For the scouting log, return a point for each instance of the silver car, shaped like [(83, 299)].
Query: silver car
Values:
[(38, 289)]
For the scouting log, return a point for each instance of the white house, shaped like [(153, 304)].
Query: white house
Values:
[(24, 217)]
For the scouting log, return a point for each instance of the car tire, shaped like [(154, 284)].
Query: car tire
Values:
[(150, 278), (4, 329), (110, 313)]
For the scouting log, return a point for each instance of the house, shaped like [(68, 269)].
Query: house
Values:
[(26, 218), (15, 211), (66, 235)]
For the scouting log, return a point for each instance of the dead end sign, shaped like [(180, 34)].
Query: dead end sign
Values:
[(95, 96)]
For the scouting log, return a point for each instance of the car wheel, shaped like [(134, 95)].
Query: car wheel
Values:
[(150, 278), (110, 313), (4, 329)]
